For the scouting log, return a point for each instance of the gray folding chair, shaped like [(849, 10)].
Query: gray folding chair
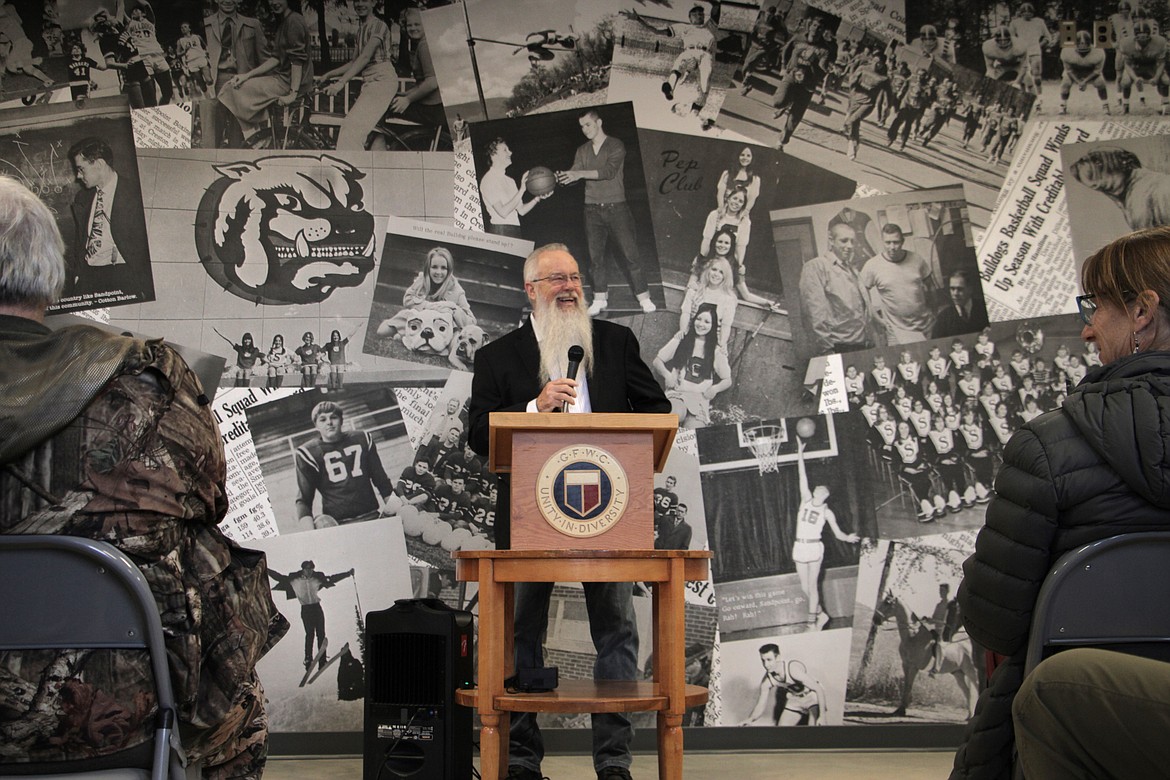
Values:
[(70, 592), (1113, 593)]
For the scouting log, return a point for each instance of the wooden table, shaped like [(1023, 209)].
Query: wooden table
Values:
[(497, 571)]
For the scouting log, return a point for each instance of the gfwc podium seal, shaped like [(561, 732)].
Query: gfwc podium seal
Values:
[(582, 491)]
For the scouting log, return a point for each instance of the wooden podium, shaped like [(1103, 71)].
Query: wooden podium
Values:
[(581, 481), (532, 447)]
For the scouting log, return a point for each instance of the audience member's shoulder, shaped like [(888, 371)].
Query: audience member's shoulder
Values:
[(99, 343), (1052, 427)]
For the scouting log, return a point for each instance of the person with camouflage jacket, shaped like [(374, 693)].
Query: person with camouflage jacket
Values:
[(111, 438)]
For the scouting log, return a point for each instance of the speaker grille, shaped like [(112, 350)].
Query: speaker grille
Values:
[(408, 670)]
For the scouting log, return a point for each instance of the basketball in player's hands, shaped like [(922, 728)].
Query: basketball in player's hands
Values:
[(541, 181)]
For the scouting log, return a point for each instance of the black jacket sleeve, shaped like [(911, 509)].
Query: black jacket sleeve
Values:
[(491, 391), (1013, 551)]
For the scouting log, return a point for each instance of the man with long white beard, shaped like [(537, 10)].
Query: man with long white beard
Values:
[(526, 370)]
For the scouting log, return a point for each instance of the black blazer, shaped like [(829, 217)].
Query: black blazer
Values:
[(128, 229), (951, 323), (507, 378)]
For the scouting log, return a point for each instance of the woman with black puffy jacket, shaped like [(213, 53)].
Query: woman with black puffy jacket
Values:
[(1096, 467)]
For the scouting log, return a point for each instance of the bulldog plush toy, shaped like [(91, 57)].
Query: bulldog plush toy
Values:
[(426, 331)]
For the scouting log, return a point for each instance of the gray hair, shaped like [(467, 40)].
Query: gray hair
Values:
[(32, 253), (534, 258)]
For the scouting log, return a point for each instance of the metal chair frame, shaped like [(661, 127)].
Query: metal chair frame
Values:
[(1112, 593), (67, 592)]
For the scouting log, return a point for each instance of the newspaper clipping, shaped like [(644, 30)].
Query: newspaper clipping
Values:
[(1026, 259)]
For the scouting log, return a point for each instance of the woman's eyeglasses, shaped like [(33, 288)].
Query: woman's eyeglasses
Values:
[(1087, 304), (1087, 307)]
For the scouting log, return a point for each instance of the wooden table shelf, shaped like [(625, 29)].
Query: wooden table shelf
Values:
[(588, 696), (667, 571)]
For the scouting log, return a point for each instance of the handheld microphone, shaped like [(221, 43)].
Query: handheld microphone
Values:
[(576, 355)]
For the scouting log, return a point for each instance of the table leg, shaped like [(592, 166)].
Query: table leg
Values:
[(670, 746), (669, 672), (493, 668), (490, 744)]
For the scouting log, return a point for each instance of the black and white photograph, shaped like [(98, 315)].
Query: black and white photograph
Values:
[(884, 18), (331, 458), (1115, 187), (324, 583), (679, 513), (780, 199), (910, 660), (784, 679), (448, 494), (268, 244), (938, 413), (586, 168), (72, 52), (345, 76), (841, 97), (784, 576), (82, 163), (888, 270), (1080, 57), (675, 63), (710, 199), (442, 293), (497, 59)]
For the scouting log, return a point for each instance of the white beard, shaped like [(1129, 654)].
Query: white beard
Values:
[(559, 330)]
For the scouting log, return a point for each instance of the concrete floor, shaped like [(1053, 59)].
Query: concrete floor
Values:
[(763, 765)]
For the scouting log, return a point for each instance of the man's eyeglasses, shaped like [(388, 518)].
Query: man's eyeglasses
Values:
[(560, 280), (1086, 307)]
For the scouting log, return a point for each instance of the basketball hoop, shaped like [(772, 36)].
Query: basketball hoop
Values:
[(765, 442)]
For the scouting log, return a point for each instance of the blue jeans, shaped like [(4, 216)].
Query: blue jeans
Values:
[(615, 635), (603, 220)]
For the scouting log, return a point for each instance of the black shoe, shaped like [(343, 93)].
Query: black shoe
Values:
[(614, 773), (516, 772)]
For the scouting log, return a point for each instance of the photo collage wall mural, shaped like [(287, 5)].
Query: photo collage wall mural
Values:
[(866, 202)]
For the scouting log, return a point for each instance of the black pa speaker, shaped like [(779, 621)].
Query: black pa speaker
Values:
[(419, 651)]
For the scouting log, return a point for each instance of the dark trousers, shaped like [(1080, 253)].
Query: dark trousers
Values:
[(1094, 713), (795, 98), (853, 120), (969, 131), (615, 637), (426, 114), (903, 120), (512, 231), (939, 123), (612, 220), (313, 619), (759, 57), (227, 129)]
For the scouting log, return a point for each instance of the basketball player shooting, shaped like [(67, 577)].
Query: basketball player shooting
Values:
[(808, 551)]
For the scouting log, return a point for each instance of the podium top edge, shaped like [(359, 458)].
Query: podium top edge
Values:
[(502, 426), (624, 421), (568, 554)]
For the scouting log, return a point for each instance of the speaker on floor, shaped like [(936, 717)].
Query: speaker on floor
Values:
[(419, 651)]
